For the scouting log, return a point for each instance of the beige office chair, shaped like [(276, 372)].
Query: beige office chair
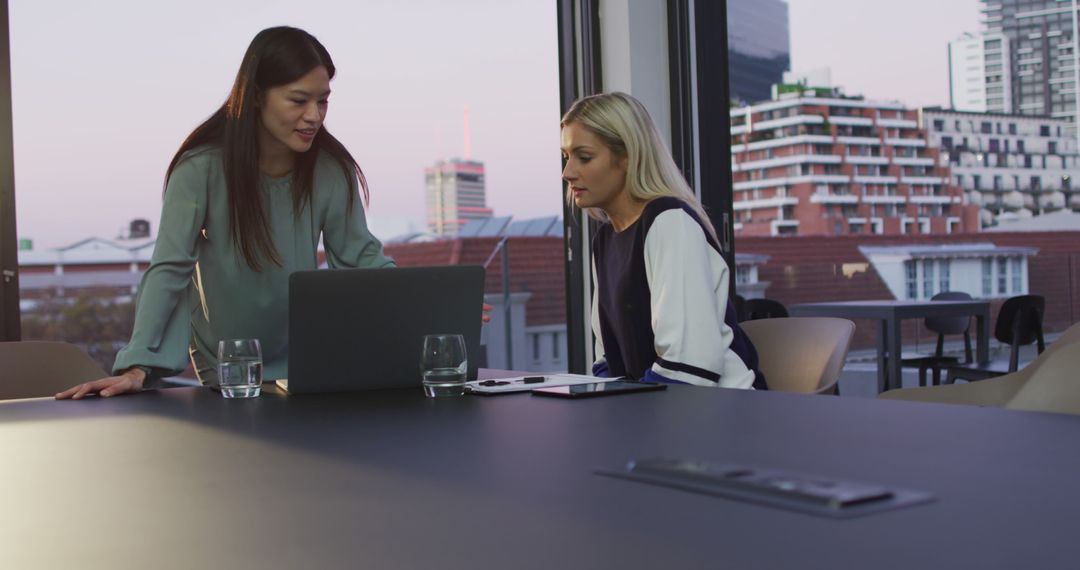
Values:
[(1055, 388), (801, 354), (35, 369)]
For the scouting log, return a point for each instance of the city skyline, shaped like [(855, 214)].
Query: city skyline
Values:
[(114, 115)]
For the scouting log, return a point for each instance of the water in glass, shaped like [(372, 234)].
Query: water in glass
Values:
[(240, 368), (443, 365), (241, 377), (444, 382)]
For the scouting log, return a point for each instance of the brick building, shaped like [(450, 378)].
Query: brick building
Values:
[(537, 294), (813, 162)]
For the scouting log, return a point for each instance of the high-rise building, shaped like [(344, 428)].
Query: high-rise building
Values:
[(814, 162), (759, 48), (455, 194), (1043, 54), (980, 76), (1011, 166)]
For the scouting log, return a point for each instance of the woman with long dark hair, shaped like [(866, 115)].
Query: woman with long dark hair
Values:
[(248, 196)]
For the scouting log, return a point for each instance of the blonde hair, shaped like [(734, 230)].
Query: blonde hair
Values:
[(625, 127)]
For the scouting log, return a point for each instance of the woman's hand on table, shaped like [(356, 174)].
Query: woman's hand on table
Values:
[(129, 381)]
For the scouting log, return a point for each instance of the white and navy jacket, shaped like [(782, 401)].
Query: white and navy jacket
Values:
[(660, 309)]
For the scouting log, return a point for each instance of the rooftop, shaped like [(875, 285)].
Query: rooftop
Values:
[(948, 250), (1060, 221)]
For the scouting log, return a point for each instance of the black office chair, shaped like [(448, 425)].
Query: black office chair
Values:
[(1019, 323), (942, 326), (740, 307), (764, 309)]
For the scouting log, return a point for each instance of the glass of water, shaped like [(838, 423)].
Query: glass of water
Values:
[(240, 368), (443, 365)]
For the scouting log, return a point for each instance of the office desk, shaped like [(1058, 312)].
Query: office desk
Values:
[(890, 313), (182, 478)]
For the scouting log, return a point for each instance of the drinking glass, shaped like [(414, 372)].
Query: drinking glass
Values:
[(443, 365), (240, 368)]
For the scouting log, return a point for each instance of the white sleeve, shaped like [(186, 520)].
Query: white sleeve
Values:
[(688, 286), (599, 355)]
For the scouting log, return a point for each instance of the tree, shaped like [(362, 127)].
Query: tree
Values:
[(93, 319)]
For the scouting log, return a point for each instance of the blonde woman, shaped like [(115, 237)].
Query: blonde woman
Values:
[(660, 308)]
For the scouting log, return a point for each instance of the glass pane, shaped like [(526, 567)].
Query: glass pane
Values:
[(928, 279), (1003, 275), (912, 280), (423, 100), (966, 159)]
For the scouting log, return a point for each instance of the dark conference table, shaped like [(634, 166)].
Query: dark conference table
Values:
[(181, 478), (891, 313)]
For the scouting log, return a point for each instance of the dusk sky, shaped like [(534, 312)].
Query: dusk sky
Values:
[(104, 92), (882, 49)]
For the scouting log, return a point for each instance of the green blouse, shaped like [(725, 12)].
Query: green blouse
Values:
[(198, 288)]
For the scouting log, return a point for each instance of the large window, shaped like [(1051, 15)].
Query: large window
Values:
[(407, 74), (973, 177), (104, 93)]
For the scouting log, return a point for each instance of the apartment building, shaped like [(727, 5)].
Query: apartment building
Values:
[(1042, 54), (980, 75), (1009, 166), (815, 162)]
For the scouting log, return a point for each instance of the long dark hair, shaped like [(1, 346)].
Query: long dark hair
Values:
[(277, 56)]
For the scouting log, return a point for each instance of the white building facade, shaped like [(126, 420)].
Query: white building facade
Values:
[(980, 77), (454, 195), (1011, 166), (982, 270)]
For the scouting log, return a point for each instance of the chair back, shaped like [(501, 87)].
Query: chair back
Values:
[(998, 391), (764, 309), (1019, 321), (1054, 386), (801, 354), (949, 325), (36, 369)]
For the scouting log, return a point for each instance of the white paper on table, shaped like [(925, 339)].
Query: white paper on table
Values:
[(517, 383)]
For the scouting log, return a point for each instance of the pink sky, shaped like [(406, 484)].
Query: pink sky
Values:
[(883, 49), (104, 92)]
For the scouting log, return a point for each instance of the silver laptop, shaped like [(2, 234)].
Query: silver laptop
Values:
[(362, 329)]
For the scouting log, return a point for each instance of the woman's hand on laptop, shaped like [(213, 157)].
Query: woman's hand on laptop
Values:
[(129, 381), (485, 315)]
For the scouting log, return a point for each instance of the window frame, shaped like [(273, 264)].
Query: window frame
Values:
[(10, 315), (697, 71), (697, 51)]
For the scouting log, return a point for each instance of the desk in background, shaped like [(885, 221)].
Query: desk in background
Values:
[(182, 478), (890, 314)]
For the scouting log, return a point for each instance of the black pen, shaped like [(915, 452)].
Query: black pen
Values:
[(524, 380)]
